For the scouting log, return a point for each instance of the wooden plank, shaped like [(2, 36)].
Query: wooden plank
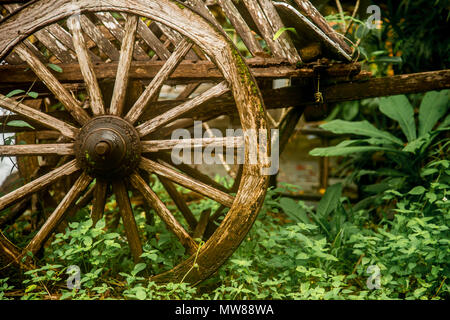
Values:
[(149, 37), (185, 71), (66, 38), (241, 27), (276, 46), (46, 39), (304, 95), (188, 90), (56, 47), (312, 13), (116, 30), (175, 38), (100, 40), (12, 254), (310, 33), (386, 86), (276, 24)]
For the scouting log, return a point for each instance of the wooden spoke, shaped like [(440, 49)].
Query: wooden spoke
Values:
[(98, 206), (10, 253), (179, 202), (69, 102), (86, 67), (37, 149), (126, 56), (157, 82), (58, 215), (202, 223), (38, 184), (84, 200), (164, 213), (187, 181), (187, 169), (188, 90), (155, 123), (40, 117), (66, 38), (234, 188), (162, 145), (128, 220)]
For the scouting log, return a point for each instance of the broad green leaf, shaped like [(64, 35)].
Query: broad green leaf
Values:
[(138, 268), (140, 293), (55, 67), (87, 241), (302, 256), (446, 123), (14, 93), (242, 262), (330, 200), (400, 109), (100, 224), (417, 190), (30, 288), (350, 110), (33, 94), (389, 59), (19, 123), (415, 144), (344, 151), (280, 32), (293, 210), (363, 128), (434, 106)]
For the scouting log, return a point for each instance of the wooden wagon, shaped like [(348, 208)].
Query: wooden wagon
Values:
[(101, 124)]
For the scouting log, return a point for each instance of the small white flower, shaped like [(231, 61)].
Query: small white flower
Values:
[(444, 199)]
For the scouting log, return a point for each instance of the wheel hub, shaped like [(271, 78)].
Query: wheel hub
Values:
[(108, 147)]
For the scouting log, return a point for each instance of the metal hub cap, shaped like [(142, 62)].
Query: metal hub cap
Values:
[(108, 147)]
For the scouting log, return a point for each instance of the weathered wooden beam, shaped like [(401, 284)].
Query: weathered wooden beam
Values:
[(387, 86), (200, 70), (297, 96)]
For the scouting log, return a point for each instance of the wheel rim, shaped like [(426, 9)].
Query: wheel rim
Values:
[(244, 206)]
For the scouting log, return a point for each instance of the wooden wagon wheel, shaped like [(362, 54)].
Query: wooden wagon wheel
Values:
[(109, 146)]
